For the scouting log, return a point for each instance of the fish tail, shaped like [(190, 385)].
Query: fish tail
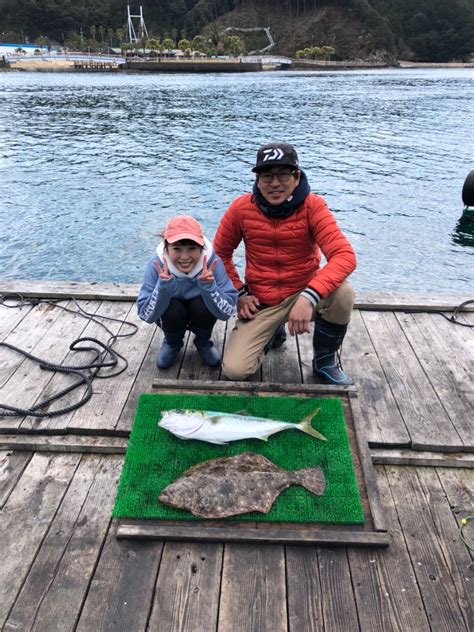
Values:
[(311, 478), (305, 426)]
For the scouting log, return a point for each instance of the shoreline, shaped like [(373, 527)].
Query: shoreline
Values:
[(212, 65)]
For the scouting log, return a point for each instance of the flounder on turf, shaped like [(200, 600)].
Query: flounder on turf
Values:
[(235, 485)]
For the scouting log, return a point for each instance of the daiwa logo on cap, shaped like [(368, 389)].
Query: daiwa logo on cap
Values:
[(273, 154), (278, 154)]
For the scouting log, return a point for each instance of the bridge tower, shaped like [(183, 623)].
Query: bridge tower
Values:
[(141, 32)]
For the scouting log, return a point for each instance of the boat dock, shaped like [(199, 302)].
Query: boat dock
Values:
[(62, 566)]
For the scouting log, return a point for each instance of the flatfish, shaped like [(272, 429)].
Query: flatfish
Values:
[(235, 485)]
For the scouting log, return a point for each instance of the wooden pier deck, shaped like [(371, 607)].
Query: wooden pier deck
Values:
[(62, 567)]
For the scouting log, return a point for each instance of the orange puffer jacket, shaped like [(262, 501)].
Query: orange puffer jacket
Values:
[(282, 256)]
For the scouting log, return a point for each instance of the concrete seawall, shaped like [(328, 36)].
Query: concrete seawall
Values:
[(203, 65)]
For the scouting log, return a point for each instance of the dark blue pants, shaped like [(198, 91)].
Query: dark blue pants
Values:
[(182, 315)]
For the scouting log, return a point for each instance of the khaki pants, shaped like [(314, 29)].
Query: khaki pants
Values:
[(244, 352)]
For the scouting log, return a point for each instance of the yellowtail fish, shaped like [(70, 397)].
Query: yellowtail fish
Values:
[(218, 427)]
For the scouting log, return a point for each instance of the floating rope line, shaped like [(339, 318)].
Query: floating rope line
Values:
[(104, 357)]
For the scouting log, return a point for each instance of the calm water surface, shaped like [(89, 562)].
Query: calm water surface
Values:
[(92, 166)]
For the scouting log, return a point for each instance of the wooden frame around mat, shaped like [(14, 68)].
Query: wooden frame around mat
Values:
[(372, 533)]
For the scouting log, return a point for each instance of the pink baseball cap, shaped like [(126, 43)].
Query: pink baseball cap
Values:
[(183, 227)]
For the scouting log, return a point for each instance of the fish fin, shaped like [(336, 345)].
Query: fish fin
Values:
[(242, 412), (311, 478), (216, 442), (305, 426)]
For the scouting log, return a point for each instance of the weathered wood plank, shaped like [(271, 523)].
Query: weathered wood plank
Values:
[(426, 420), (129, 292), (143, 383), (29, 331), (382, 456), (425, 548), (10, 317), (339, 609), (304, 593), (12, 465), (187, 593), (121, 592), (64, 443), (388, 598), (26, 386), (61, 604), (25, 520), (110, 395), (60, 381), (380, 416), (44, 567), (282, 364), (192, 367), (459, 489), (67, 289), (194, 533), (454, 551), (449, 368), (253, 596), (258, 388)]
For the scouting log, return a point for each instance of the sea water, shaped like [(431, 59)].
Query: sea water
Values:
[(93, 166)]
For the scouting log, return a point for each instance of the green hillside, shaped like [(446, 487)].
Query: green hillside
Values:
[(421, 30)]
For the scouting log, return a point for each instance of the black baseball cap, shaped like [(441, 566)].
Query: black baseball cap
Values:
[(276, 155)]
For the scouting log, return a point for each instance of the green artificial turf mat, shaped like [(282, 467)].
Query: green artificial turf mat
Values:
[(155, 458)]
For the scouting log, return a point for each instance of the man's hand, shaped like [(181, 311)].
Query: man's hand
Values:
[(163, 272), (299, 318), (247, 307), (207, 275)]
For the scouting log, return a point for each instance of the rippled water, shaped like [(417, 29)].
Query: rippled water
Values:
[(93, 165)]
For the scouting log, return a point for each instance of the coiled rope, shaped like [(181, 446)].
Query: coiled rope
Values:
[(103, 357)]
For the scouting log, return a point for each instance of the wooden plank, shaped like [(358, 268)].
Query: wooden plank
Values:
[(385, 588), (26, 517), (192, 367), (187, 593), (129, 292), (304, 593), (339, 610), (56, 541), (64, 443), (459, 489), (253, 597), (25, 387), (10, 317), (66, 289), (26, 335), (414, 457), (425, 548), (448, 366), (457, 556), (282, 364), (404, 301), (110, 395), (142, 384), (61, 604), (426, 420), (121, 591), (380, 416), (194, 533), (12, 465), (60, 381), (252, 388), (362, 456)]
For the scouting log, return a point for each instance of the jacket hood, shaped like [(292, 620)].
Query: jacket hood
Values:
[(207, 251)]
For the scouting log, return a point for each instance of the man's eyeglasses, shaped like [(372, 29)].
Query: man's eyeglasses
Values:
[(282, 176)]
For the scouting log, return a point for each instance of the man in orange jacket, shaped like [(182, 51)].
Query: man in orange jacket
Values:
[(285, 228)]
